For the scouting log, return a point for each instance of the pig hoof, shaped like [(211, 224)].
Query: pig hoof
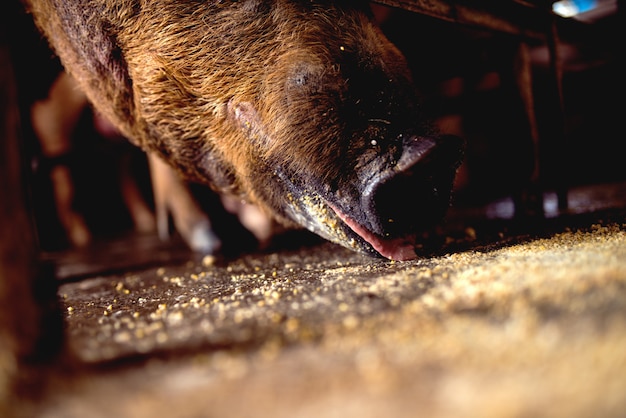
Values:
[(201, 239)]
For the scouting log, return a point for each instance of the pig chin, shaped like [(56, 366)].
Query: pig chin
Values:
[(400, 249), (315, 213), (390, 206), (328, 220)]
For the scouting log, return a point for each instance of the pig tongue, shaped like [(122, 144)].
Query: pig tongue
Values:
[(400, 249)]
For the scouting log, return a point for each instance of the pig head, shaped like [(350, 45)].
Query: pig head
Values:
[(301, 107)]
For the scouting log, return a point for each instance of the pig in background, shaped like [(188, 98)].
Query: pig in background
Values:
[(91, 170), (59, 121), (323, 135)]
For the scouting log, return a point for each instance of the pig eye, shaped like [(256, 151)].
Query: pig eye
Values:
[(303, 78)]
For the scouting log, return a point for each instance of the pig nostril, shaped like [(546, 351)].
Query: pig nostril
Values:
[(407, 203), (416, 198)]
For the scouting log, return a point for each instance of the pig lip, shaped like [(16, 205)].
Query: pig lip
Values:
[(399, 249)]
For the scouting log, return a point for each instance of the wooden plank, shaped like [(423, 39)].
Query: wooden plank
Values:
[(515, 17)]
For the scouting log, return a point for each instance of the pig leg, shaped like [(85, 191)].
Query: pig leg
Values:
[(172, 196), (262, 226), (141, 214), (54, 120)]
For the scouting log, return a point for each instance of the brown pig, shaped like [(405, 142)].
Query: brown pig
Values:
[(301, 107)]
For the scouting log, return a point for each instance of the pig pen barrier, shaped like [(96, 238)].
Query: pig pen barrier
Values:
[(529, 23)]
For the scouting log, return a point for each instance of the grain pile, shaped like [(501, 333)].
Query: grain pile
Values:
[(536, 327)]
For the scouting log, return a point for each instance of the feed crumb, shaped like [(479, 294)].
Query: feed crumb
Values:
[(208, 260)]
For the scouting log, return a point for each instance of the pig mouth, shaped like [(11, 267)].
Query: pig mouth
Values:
[(401, 201), (400, 249), (391, 207)]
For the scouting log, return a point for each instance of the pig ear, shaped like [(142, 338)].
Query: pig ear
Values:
[(94, 39), (247, 118), (243, 113), (86, 41)]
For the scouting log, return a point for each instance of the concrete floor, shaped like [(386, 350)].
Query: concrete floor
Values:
[(506, 319)]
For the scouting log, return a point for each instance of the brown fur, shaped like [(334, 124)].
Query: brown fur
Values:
[(182, 82)]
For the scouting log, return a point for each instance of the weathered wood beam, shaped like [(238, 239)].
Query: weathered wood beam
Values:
[(514, 17)]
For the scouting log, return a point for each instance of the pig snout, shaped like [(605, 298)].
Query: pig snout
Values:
[(397, 202), (414, 193)]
